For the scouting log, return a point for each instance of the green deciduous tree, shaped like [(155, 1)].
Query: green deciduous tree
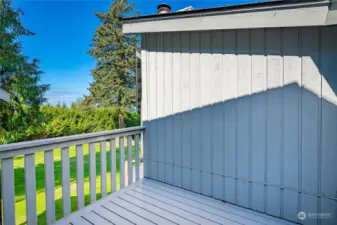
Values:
[(114, 76), (20, 76)]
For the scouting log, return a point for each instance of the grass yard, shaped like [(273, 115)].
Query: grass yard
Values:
[(20, 201)]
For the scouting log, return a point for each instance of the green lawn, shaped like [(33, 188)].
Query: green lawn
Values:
[(20, 201)]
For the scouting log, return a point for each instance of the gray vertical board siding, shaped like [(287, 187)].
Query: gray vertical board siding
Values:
[(217, 111), (310, 107), (153, 95), (258, 118), (217, 151), (160, 107), (49, 185), (195, 116), (248, 116), (168, 150), (206, 100), (196, 150), (186, 151), (274, 119), (186, 105), (244, 106), (291, 106), (177, 150), (30, 186), (177, 108), (230, 113), (329, 113), (291, 120)]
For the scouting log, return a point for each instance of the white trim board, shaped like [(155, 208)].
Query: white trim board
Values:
[(294, 15)]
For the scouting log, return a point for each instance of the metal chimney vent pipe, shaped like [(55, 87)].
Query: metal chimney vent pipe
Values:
[(163, 8)]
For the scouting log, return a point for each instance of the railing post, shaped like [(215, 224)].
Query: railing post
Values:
[(79, 176), (113, 164), (121, 162), (92, 177), (7, 181), (49, 184), (65, 181), (30, 186), (137, 155), (130, 170)]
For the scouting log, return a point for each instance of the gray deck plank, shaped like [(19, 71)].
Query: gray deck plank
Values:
[(159, 211), (209, 217), (108, 215), (95, 219), (222, 216), (235, 210), (79, 221), (148, 202), (126, 214), (143, 212), (184, 214)]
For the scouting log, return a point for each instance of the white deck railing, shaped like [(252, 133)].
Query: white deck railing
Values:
[(28, 149)]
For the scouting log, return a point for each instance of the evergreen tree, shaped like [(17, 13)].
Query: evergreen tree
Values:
[(20, 76), (114, 76)]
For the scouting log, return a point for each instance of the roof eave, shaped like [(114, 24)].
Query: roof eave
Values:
[(257, 16)]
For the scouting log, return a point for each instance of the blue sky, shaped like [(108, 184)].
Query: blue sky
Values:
[(64, 29)]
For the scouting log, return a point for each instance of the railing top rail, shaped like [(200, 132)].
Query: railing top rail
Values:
[(52, 143)]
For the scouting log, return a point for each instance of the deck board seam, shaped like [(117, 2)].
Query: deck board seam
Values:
[(102, 217), (147, 210), (132, 212), (85, 220), (117, 214), (161, 208)]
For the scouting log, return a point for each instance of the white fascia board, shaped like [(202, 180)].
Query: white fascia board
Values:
[(331, 18), (4, 95), (298, 15)]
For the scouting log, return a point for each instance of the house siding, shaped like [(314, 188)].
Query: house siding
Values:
[(245, 116)]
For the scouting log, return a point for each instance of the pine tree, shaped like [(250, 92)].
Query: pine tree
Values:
[(114, 76), (19, 75)]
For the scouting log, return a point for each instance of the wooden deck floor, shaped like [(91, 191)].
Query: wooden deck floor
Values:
[(150, 202)]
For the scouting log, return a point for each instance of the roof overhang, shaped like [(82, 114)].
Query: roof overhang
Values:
[(255, 15), (4, 95)]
